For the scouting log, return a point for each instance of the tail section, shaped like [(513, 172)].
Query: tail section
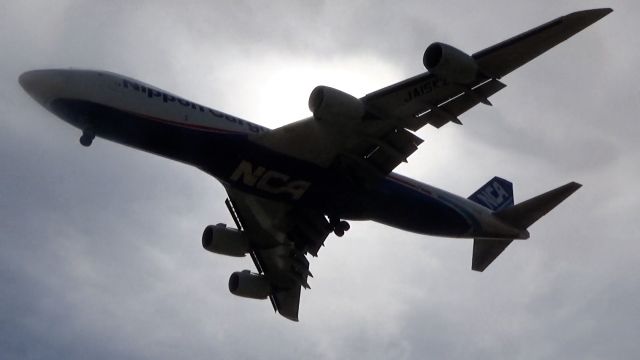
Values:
[(497, 195)]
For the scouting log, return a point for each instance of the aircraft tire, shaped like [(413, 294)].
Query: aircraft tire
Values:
[(86, 139)]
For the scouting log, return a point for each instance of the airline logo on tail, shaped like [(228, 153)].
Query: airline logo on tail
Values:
[(497, 194)]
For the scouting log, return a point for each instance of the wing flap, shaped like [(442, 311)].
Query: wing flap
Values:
[(383, 154), (450, 109), (410, 97), (280, 236)]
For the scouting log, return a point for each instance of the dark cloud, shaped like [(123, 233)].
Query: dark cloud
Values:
[(100, 248)]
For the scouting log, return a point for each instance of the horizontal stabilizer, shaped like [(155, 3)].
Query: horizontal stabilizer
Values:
[(485, 251), (524, 214)]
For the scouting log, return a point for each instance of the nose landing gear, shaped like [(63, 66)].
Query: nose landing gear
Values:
[(87, 137), (339, 227)]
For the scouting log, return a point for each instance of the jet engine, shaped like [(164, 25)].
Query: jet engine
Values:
[(329, 105), (220, 239), (245, 284), (449, 63)]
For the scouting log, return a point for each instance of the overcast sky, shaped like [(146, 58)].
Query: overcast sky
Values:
[(100, 253)]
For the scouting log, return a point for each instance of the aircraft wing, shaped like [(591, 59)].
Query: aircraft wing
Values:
[(384, 138), (281, 236)]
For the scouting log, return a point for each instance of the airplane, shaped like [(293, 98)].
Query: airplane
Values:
[(289, 188)]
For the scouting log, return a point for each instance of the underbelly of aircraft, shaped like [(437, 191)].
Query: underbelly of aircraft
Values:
[(236, 162)]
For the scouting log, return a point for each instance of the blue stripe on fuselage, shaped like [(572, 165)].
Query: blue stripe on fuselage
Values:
[(405, 205), (394, 201)]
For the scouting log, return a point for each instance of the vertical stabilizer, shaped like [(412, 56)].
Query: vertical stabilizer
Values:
[(496, 195)]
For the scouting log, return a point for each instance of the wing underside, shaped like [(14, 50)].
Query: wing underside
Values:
[(281, 235), (372, 146), (385, 137)]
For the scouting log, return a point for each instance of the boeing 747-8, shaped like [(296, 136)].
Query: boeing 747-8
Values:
[(290, 187)]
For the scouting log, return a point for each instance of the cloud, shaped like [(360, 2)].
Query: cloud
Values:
[(100, 250)]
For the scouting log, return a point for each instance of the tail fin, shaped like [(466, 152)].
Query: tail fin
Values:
[(497, 195), (527, 212)]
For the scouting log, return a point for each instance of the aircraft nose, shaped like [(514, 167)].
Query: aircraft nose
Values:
[(41, 84)]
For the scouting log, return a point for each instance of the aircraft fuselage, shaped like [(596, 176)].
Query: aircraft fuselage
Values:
[(144, 117)]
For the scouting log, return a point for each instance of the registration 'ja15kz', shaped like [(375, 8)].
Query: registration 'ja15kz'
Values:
[(290, 187)]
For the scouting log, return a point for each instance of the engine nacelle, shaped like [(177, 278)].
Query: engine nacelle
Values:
[(331, 105), (246, 284), (226, 241), (449, 63)]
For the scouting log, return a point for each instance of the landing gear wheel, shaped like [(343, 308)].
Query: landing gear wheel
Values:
[(339, 227), (87, 138)]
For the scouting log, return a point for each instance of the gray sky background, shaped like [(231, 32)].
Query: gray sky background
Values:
[(100, 253)]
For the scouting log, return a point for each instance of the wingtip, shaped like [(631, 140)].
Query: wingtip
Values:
[(569, 188), (601, 12), (574, 185), (591, 15)]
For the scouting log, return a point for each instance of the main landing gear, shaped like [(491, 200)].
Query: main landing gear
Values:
[(339, 227), (87, 137)]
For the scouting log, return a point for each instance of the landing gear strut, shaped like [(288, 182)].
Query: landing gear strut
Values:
[(87, 137), (339, 227)]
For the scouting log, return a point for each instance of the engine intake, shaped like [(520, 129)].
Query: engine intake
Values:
[(248, 285), (449, 63), (220, 239), (331, 105)]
